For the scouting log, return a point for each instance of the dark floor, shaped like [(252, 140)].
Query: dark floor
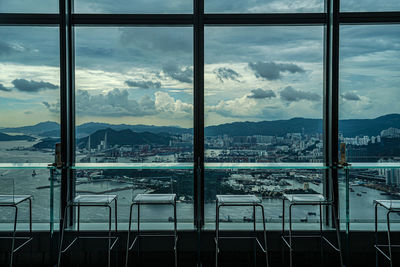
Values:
[(158, 252)]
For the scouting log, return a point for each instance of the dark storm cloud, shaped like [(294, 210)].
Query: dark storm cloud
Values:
[(32, 86), (226, 74), (143, 84), (52, 107), (291, 95), (3, 88), (350, 96), (272, 71), (182, 74), (115, 103), (261, 94)]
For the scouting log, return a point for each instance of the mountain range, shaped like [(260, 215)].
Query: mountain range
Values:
[(349, 128)]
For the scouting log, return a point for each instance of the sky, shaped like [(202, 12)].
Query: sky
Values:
[(142, 75)]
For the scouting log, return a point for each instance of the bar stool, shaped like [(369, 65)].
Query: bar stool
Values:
[(392, 206), (91, 201), (151, 199), (308, 200), (240, 201), (13, 201)]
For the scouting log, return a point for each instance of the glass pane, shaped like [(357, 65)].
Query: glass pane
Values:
[(369, 5), (134, 93), (29, 93), (134, 6), (29, 6), (369, 113), (264, 6), (29, 124), (263, 103)]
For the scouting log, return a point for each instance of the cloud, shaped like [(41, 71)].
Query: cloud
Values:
[(168, 106), (52, 107), (32, 86), (117, 103), (272, 71), (143, 84), (182, 74), (28, 112), (3, 88), (350, 96), (261, 94), (291, 95), (226, 74)]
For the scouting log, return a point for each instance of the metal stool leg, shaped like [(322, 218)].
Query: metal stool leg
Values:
[(62, 236), (337, 226), (389, 241), (14, 233), (376, 235), (255, 236), (109, 236), (175, 236), (216, 234), (129, 233), (320, 234), (265, 235), (290, 237), (138, 230)]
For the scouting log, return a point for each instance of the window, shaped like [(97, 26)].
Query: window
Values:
[(134, 104), (29, 124), (260, 6), (134, 6), (263, 103), (29, 6), (368, 125)]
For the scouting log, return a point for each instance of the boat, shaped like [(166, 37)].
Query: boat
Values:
[(304, 220), (33, 173), (312, 213), (226, 220), (359, 194), (363, 192)]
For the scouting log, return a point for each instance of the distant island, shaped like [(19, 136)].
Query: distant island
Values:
[(7, 137)]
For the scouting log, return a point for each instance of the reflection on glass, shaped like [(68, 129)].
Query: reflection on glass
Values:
[(264, 6), (369, 114), (133, 6), (29, 6)]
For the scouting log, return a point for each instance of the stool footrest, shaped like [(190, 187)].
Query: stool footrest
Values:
[(240, 237), (284, 237), (23, 244), (377, 247), (91, 237)]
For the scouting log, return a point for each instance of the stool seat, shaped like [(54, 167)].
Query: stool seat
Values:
[(13, 199), (238, 199), (393, 204), (155, 199), (309, 198), (94, 199)]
